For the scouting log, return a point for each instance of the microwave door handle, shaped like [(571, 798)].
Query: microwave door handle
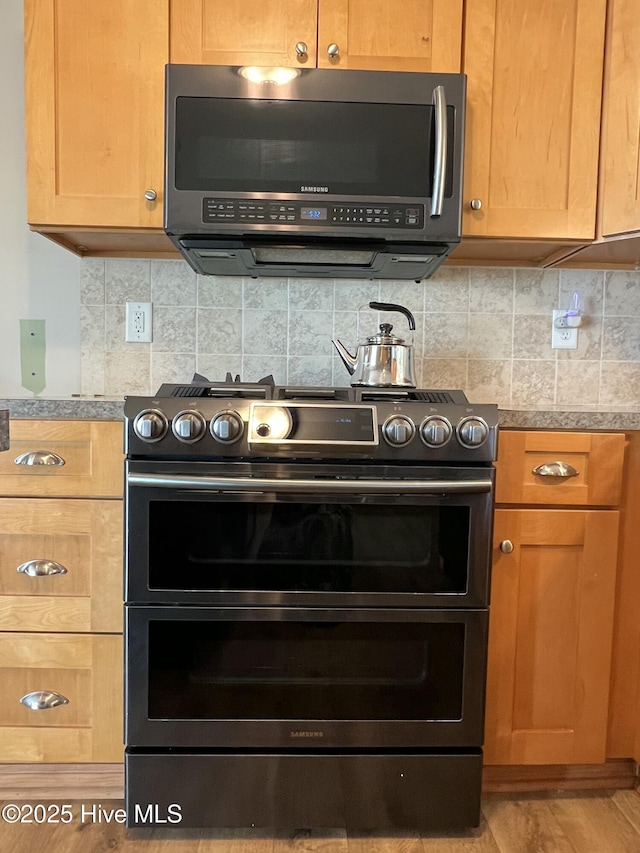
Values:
[(440, 155)]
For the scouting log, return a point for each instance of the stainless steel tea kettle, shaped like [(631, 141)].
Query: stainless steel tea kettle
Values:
[(382, 360)]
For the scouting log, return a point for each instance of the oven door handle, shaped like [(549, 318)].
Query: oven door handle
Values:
[(357, 487)]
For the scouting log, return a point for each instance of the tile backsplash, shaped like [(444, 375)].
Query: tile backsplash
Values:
[(482, 329)]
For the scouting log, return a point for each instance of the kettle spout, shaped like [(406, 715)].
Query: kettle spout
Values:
[(348, 360)]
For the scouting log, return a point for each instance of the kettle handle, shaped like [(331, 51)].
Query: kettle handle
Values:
[(389, 306)]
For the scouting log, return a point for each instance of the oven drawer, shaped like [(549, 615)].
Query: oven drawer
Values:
[(60, 565), (83, 669), (560, 468), (285, 677), (72, 459)]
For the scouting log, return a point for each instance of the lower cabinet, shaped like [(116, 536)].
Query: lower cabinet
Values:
[(550, 636), (62, 697)]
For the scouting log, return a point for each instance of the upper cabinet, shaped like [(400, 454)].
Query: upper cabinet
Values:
[(407, 35), (94, 112), (534, 71), (620, 179)]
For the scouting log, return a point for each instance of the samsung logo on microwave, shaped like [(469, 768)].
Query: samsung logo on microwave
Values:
[(306, 734), (314, 189)]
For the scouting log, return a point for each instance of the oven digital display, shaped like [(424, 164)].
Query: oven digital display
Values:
[(312, 424), (313, 213)]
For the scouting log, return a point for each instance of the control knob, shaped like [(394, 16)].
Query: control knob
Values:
[(227, 427), (189, 426), (398, 430), (435, 431), (150, 425), (472, 432)]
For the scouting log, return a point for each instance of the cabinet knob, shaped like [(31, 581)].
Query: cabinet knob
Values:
[(43, 700), (38, 457), (555, 469), (475, 204), (333, 50), (301, 49), (41, 568), (506, 546), (150, 195)]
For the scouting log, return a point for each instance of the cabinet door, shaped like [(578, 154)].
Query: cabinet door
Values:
[(243, 32), (620, 184), (550, 631), (406, 35), (94, 111), (534, 94)]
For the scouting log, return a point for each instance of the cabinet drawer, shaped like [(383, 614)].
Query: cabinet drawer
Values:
[(84, 539), (90, 450), (87, 670), (596, 458)]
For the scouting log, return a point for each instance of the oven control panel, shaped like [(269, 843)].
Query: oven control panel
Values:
[(242, 429)]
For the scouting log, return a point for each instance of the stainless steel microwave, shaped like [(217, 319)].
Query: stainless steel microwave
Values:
[(329, 173)]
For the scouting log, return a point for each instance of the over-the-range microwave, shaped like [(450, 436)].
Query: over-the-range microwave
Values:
[(329, 173)]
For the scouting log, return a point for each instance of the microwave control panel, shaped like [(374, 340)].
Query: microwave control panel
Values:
[(273, 212)]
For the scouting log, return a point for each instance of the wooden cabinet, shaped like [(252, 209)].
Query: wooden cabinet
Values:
[(94, 111), (407, 35), (620, 177), (61, 560), (552, 600), (534, 71)]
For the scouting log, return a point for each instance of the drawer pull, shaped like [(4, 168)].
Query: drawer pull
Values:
[(39, 457), (43, 700), (555, 469), (506, 546), (41, 568)]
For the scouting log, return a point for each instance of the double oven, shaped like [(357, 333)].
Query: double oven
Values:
[(306, 631)]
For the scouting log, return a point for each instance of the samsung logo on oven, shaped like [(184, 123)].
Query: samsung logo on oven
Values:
[(306, 734), (314, 189)]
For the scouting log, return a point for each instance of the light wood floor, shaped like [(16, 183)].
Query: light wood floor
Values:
[(559, 822)]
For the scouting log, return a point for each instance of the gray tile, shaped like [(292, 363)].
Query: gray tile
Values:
[(536, 291), (447, 290), (350, 295), (491, 290), (255, 367), (489, 381), (490, 336), (444, 373), (619, 384), (621, 339), (127, 281), (310, 370), (127, 373), (533, 383), (92, 328), (310, 333), (345, 327), (265, 332), (310, 294), (220, 330), (115, 331), (172, 367), (446, 335), (91, 370), (590, 286), (409, 294), (578, 382), (172, 283), (220, 291), (266, 293), (174, 329), (622, 293), (532, 336), (92, 281), (215, 367)]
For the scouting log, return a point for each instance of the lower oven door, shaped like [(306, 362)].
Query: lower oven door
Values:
[(271, 534), (275, 677)]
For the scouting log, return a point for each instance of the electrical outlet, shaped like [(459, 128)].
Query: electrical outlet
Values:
[(562, 336), (139, 322)]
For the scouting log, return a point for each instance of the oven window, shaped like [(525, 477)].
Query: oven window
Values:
[(252, 145), (317, 547), (264, 670)]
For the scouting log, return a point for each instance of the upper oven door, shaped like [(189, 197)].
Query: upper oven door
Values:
[(266, 534)]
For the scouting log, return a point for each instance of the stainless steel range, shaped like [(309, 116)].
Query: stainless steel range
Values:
[(307, 588)]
